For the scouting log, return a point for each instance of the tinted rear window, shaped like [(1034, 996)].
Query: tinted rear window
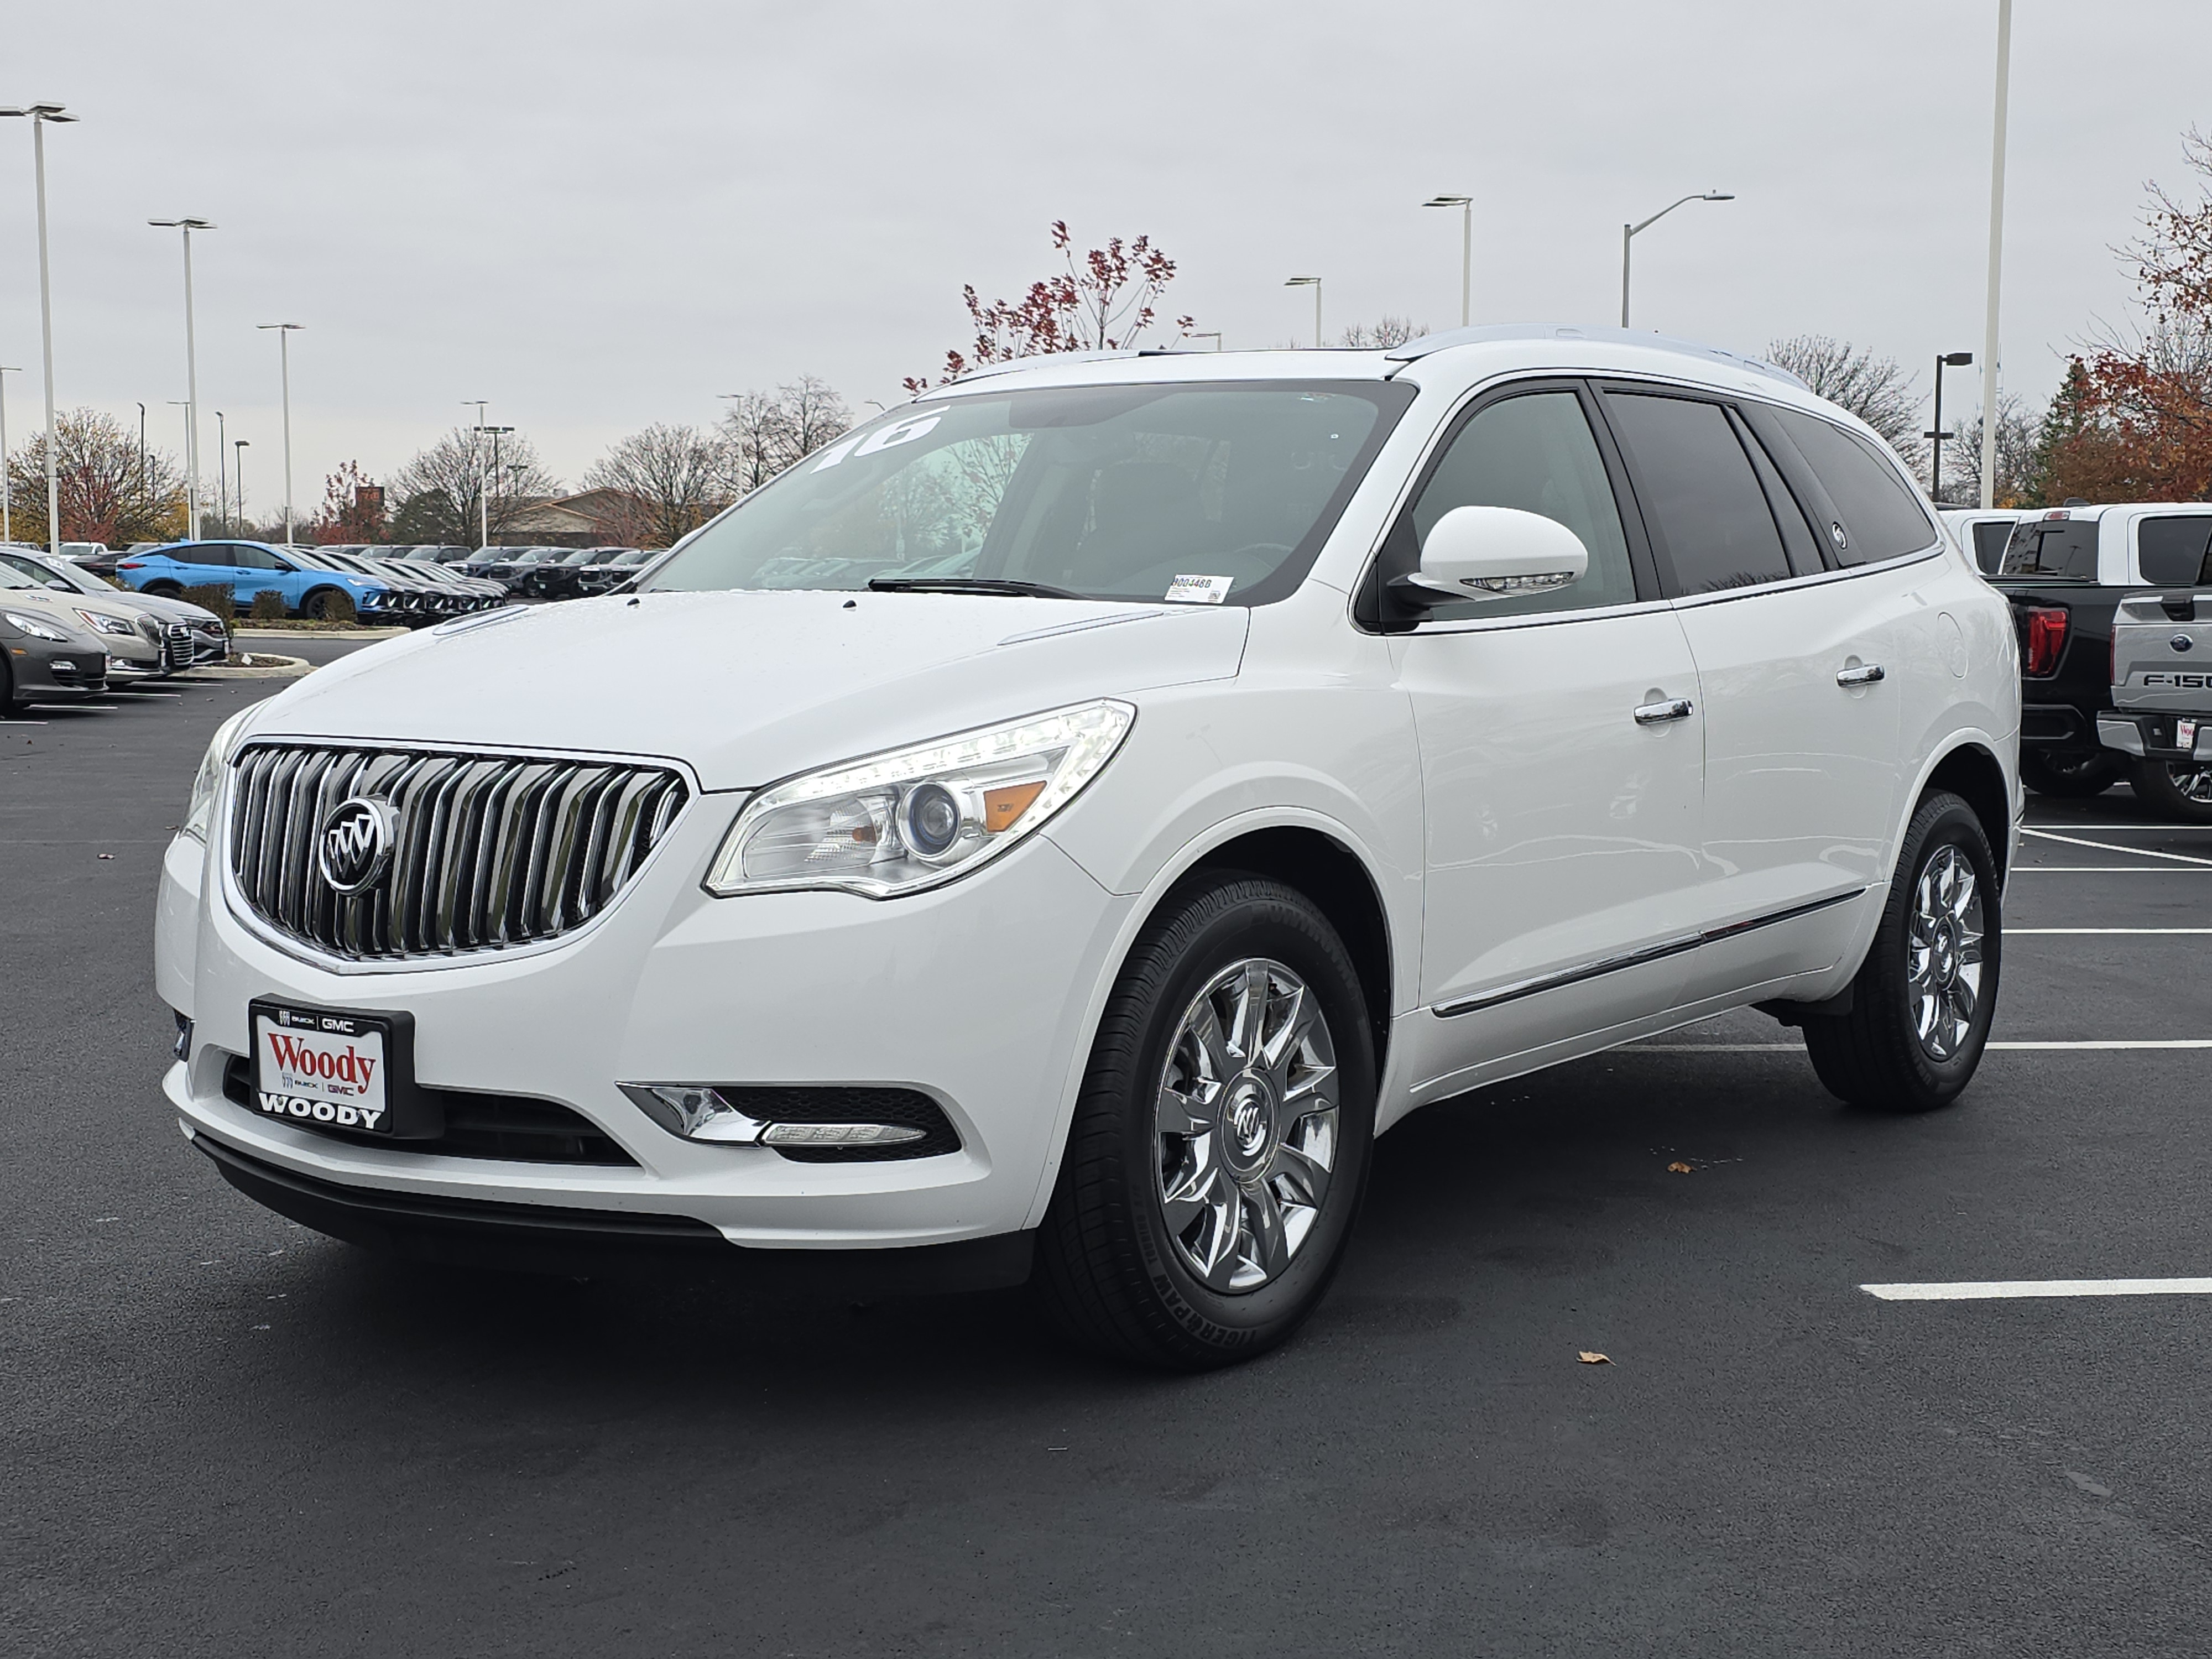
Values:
[(1697, 484), (1990, 541), (2177, 551), (2053, 549), (1882, 519)]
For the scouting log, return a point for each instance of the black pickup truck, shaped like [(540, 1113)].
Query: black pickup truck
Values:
[(2068, 572)]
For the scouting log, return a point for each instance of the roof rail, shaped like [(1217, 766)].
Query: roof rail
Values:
[(1489, 333)]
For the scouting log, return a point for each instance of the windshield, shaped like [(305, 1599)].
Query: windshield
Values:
[(2062, 550), (1213, 492), (44, 574)]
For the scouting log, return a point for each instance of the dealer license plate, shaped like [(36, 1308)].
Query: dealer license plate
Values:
[(315, 1068)]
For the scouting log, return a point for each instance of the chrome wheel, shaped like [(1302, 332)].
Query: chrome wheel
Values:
[(1246, 1125), (1943, 953), (2194, 783)]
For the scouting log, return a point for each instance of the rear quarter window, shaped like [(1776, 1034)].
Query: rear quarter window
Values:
[(1881, 518), (2175, 551), (1989, 539)]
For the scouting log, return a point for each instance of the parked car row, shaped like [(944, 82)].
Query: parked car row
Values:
[(66, 635), (557, 572), (316, 582), (2113, 607)]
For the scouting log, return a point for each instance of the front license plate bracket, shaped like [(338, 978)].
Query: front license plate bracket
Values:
[(409, 1112)]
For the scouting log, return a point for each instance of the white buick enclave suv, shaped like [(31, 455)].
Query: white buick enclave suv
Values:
[(1049, 833)]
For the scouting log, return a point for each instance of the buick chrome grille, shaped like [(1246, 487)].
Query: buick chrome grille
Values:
[(487, 851)]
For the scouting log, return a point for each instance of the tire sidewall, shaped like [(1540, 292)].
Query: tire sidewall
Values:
[(1945, 822), (1249, 918), (2155, 788)]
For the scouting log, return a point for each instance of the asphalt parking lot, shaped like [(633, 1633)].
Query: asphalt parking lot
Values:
[(226, 1435)]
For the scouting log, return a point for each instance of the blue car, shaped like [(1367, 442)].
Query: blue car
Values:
[(309, 587)]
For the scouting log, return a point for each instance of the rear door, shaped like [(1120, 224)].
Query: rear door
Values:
[(1793, 657)]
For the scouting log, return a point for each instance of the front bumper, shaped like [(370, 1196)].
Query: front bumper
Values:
[(52, 672), (977, 994)]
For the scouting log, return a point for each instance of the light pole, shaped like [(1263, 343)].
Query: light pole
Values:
[(241, 446), (1466, 206), (38, 115), (1628, 233), (493, 477), (476, 463), (142, 451), (1996, 257), (1943, 360), (7, 529), (191, 378), (284, 333), (1312, 283), (222, 480)]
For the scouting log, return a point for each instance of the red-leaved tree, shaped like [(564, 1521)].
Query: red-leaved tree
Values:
[(352, 509), (1103, 301)]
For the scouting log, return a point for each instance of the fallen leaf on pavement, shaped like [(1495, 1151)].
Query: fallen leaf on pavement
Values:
[(1589, 1359), (107, 855), (1677, 1168)]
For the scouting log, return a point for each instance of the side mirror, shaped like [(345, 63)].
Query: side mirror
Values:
[(1493, 553)]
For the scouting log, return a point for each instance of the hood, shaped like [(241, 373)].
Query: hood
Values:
[(751, 687), (64, 607)]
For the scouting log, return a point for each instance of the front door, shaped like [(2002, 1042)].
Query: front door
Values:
[(1561, 762)]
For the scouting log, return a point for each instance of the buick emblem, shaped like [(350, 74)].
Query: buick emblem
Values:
[(355, 844), (1836, 535)]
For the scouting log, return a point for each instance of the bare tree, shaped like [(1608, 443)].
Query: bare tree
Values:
[(2017, 459), (448, 490), (674, 474), (108, 492), (765, 432), (1381, 335), (1875, 389)]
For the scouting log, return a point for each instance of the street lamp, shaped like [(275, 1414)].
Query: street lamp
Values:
[(142, 453), (7, 529), (284, 332), (38, 115), (491, 482), (1996, 257), (1466, 206), (222, 481), (241, 446), (192, 378), (1628, 235), (1943, 360), (1312, 283), (476, 463)]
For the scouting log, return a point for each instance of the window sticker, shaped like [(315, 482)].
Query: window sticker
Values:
[(1200, 590)]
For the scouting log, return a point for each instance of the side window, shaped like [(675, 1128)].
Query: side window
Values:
[(2176, 551), (1535, 452), (1798, 538), (1990, 538), (1699, 491), (257, 558), (205, 553), (1882, 519)]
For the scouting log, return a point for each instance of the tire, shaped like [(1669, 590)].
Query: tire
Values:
[(2173, 790), (163, 590), (1876, 1057), (319, 606), (2069, 775), (1122, 1262)]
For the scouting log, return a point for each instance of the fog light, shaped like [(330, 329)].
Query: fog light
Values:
[(840, 1135)]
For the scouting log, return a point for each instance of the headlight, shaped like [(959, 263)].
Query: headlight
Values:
[(35, 628), (916, 817), (101, 624), (207, 784)]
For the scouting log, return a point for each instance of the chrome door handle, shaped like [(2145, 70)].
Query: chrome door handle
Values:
[(1872, 674), (1658, 714)]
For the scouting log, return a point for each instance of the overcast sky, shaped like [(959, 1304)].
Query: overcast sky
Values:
[(599, 215)]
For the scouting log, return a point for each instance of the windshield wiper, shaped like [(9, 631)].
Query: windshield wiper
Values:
[(1002, 585)]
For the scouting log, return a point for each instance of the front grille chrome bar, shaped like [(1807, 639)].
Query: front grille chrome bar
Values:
[(489, 851)]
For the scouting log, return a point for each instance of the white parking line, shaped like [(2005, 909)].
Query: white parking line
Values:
[(2002, 1290), (2105, 869), (2127, 829), (1799, 1047), (2132, 852), (2012, 933)]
